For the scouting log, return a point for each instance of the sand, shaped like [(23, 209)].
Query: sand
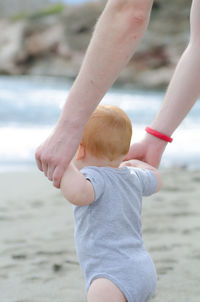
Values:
[(38, 262)]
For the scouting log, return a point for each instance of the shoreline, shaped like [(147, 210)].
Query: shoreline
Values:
[(32, 168), (37, 253)]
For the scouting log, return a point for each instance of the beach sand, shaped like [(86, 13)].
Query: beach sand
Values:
[(38, 262)]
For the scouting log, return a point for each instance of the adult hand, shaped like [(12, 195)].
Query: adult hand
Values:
[(54, 155), (149, 150)]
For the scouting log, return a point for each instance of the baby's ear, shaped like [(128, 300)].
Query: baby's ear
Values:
[(80, 154)]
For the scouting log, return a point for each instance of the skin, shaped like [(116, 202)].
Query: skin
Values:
[(78, 190), (104, 290), (182, 93), (127, 21), (74, 186)]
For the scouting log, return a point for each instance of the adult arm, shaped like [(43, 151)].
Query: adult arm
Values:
[(116, 37), (182, 93)]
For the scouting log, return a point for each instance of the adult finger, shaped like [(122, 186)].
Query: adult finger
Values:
[(50, 171), (38, 159), (57, 175), (44, 168)]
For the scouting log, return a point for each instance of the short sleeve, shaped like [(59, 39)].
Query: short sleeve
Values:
[(148, 181), (94, 175)]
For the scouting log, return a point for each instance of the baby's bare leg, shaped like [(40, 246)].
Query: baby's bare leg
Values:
[(103, 290)]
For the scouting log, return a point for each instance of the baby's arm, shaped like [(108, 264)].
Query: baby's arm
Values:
[(140, 164), (76, 188)]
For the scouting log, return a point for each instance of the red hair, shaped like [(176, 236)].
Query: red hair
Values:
[(107, 133)]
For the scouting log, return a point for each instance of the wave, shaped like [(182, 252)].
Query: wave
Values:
[(30, 107), (19, 145)]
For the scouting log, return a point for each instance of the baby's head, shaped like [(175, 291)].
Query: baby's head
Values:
[(107, 135)]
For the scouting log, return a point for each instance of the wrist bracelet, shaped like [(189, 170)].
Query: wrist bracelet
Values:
[(159, 134)]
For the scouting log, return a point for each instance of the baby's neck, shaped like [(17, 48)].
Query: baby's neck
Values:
[(98, 162)]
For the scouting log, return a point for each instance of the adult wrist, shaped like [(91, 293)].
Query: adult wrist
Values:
[(156, 143), (70, 121), (66, 128)]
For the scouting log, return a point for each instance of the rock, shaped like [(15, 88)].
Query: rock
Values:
[(57, 267), (11, 46), (79, 22), (55, 44), (155, 79), (42, 43), (10, 7), (54, 66)]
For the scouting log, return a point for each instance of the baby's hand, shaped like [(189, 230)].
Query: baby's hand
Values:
[(137, 164), (142, 165), (131, 163)]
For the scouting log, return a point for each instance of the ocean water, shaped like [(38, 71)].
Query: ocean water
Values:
[(74, 1), (30, 107)]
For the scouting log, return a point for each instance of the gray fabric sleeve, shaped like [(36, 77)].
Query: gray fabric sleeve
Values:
[(96, 179), (148, 181)]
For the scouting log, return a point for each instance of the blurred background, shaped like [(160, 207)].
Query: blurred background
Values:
[(42, 45)]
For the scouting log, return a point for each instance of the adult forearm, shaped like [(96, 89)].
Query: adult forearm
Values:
[(182, 92), (184, 87), (116, 36)]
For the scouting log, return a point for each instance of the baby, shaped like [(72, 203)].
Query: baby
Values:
[(107, 198)]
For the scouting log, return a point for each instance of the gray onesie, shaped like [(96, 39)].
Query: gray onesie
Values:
[(108, 233)]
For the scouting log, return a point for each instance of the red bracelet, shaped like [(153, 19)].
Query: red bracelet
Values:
[(159, 134)]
